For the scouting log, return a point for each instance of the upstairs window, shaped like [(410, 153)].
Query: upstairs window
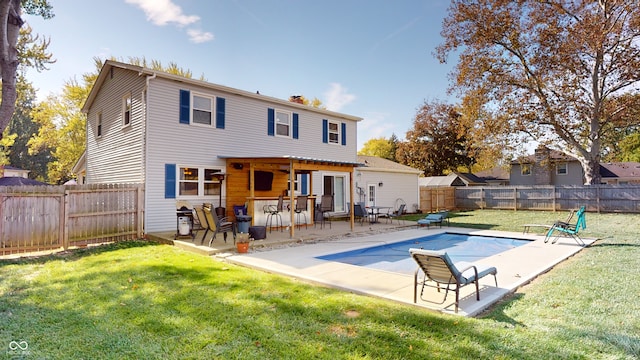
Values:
[(202, 111), (334, 132), (283, 123), (562, 169), (99, 125), (525, 169), (126, 110)]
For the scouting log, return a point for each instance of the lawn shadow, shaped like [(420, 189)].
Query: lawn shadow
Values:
[(75, 254)]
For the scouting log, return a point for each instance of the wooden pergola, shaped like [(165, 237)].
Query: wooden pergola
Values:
[(241, 187)]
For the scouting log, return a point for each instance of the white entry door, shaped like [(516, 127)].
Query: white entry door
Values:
[(371, 195)]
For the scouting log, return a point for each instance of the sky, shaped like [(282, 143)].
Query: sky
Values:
[(368, 58)]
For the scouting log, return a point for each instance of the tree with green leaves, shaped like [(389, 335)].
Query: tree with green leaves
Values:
[(547, 68), (381, 147), (11, 22), (630, 148), (437, 143), (14, 143)]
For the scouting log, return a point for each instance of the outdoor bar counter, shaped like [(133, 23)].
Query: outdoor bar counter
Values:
[(256, 206)]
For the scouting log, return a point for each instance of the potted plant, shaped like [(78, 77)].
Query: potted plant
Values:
[(242, 242)]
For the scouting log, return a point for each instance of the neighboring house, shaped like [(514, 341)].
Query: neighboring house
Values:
[(453, 179), (551, 167), (383, 182), (546, 167), (493, 177), (188, 139), (80, 169), (11, 171), (620, 173)]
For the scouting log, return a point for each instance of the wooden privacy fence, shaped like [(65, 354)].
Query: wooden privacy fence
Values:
[(600, 198), (437, 198), (36, 218)]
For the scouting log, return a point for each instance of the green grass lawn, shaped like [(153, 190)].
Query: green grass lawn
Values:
[(139, 300)]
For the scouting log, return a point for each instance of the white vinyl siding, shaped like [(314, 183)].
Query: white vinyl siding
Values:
[(120, 155), (117, 156)]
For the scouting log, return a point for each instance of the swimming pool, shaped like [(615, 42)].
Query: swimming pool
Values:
[(395, 256)]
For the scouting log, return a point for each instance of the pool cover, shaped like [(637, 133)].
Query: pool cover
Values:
[(395, 256)]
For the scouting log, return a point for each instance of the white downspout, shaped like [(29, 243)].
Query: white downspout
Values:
[(146, 145)]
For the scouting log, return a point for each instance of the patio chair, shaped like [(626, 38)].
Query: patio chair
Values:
[(397, 214), (326, 206), (567, 228), (359, 214), (547, 227), (274, 211), (435, 218), (438, 267), (301, 209), (218, 225), (202, 219)]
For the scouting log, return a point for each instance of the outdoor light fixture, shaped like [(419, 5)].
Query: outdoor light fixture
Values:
[(380, 184)]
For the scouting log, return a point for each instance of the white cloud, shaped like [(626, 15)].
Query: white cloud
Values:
[(199, 36), (162, 12), (374, 125), (337, 97)]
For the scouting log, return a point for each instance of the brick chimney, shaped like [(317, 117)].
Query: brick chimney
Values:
[(296, 99), (542, 166)]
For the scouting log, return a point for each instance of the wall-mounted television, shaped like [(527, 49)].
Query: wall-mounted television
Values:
[(263, 180)]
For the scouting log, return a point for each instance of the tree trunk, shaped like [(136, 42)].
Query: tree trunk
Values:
[(591, 171), (10, 23)]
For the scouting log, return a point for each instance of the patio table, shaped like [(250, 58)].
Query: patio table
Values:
[(375, 211)]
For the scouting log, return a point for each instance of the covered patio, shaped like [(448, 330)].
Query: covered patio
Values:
[(246, 184)]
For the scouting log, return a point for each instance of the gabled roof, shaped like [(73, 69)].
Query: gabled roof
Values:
[(495, 174), (374, 163), (470, 179), (554, 156), (625, 170), (150, 73)]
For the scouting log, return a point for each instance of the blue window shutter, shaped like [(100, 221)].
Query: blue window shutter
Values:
[(304, 178), (185, 107), (169, 181), (271, 122), (220, 113), (344, 134), (325, 131), (295, 125)]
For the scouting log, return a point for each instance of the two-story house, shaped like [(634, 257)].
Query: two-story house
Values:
[(551, 167), (192, 140)]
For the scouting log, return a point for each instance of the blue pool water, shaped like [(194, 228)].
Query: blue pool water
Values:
[(395, 256)]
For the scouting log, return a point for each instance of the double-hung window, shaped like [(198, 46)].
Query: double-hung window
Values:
[(202, 110), (525, 169), (126, 110), (99, 126), (562, 169), (334, 132), (283, 123), (212, 182), (188, 183)]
